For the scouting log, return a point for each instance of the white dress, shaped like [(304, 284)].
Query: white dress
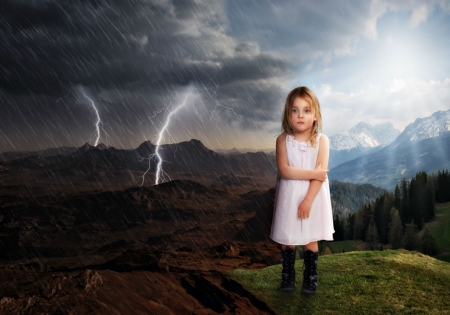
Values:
[(287, 227)]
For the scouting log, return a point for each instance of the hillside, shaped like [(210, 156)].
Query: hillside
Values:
[(368, 282), (347, 198)]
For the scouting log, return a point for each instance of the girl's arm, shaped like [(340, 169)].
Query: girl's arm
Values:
[(291, 172), (322, 159)]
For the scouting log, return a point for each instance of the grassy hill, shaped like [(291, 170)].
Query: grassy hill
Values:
[(364, 282)]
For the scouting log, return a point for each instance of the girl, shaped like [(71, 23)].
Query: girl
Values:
[(303, 213)]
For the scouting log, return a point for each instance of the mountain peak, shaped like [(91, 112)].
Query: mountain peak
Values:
[(432, 126), (364, 135), (361, 125), (145, 148), (85, 147), (146, 143), (197, 144), (101, 146)]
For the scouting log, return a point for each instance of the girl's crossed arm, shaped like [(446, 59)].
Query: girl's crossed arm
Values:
[(322, 161), (290, 172)]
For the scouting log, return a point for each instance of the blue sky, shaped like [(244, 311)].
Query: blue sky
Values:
[(233, 61)]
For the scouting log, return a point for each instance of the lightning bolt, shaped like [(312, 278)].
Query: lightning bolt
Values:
[(97, 114), (158, 169), (160, 137), (212, 96)]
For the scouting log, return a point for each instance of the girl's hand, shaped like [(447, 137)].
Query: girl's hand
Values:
[(304, 209), (320, 173)]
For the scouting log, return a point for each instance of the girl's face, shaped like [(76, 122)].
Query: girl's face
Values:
[(302, 116)]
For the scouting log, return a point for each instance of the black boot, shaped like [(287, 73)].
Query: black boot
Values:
[(288, 272), (309, 285)]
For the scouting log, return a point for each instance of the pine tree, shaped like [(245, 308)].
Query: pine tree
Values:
[(358, 226), (395, 229), (428, 243), (367, 217), (429, 202), (339, 228), (397, 198), (372, 237), (411, 239), (349, 227), (404, 210), (388, 202)]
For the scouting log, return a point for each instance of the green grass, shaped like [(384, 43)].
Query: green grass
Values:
[(440, 229), (360, 282), (348, 246)]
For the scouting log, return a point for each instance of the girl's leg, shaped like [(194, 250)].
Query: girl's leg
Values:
[(283, 247), (313, 246)]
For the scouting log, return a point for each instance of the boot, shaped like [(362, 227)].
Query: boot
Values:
[(288, 272), (309, 285)]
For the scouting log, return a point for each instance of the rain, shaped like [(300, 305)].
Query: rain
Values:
[(138, 167)]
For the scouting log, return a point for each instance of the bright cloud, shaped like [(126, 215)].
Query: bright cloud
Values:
[(401, 103)]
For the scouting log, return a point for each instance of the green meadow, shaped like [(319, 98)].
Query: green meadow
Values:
[(359, 282), (355, 281)]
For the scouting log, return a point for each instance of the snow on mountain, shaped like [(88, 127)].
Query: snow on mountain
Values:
[(423, 128), (363, 135)]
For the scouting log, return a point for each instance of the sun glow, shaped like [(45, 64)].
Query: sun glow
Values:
[(400, 57)]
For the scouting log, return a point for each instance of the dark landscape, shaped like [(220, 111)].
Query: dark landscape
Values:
[(79, 233), (138, 167)]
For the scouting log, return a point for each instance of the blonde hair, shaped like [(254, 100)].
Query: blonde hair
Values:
[(308, 95)]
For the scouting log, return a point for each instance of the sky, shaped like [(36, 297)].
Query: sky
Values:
[(124, 72)]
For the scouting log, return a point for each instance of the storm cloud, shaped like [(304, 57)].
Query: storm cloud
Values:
[(138, 58)]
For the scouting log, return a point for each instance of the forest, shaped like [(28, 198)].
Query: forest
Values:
[(396, 218)]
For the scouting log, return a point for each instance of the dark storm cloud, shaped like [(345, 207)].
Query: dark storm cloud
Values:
[(50, 46), (133, 57)]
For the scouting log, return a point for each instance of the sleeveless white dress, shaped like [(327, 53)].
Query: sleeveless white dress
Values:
[(287, 227)]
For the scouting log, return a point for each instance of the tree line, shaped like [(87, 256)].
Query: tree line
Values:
[(396, 218)]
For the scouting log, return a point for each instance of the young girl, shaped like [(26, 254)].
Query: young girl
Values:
[(303, 213)]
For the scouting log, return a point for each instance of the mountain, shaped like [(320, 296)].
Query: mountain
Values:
[(424, 145), (145, 149), (244, 150), (437, 124), (363, 135), (359, 140), (227, 151), (187, 159), (12, 155)]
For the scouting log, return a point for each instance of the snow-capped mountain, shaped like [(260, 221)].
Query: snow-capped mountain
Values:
[(359, 140), (432, 126), (424, 145), (364, 135)]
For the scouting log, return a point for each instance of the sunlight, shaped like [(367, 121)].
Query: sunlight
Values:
[(400, 56)]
